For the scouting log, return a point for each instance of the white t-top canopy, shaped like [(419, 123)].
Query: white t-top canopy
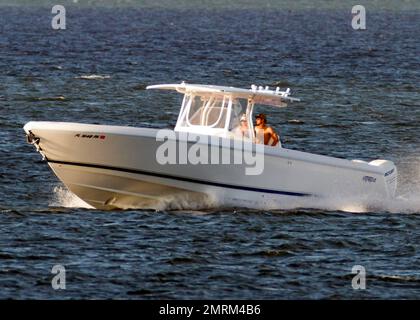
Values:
[(258, 94)]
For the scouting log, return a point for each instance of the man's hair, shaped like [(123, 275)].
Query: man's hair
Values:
[(262, 117)]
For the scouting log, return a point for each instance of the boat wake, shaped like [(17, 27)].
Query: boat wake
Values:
[(187, 201), (400, 204), (93, 77), (62, 197), (191, 201)]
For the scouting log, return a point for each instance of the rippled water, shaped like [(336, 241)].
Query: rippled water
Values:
[(360, 99)]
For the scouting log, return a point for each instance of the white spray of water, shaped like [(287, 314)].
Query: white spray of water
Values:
[(181, 201), (65, 198), (189, 201), (408, 191)]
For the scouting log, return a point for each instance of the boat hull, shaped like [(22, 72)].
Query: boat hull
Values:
[(117, 167)]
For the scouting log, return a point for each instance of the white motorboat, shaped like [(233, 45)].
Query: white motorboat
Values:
[(204, 156)]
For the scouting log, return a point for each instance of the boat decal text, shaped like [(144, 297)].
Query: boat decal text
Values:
[(90, 136), (369, 179)]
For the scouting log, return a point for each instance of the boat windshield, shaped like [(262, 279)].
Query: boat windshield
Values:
[(216, 114), (209, 111)]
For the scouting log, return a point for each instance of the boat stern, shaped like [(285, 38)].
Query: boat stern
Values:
[(390, 175)]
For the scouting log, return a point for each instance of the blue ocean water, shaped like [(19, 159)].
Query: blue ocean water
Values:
[(360, 99)]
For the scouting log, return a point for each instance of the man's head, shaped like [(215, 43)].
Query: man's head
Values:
[(260, 118)]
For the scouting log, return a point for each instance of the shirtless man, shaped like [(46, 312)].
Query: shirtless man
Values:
[(270, 136)]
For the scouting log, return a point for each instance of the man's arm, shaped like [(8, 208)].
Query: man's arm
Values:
[(274, 136)]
